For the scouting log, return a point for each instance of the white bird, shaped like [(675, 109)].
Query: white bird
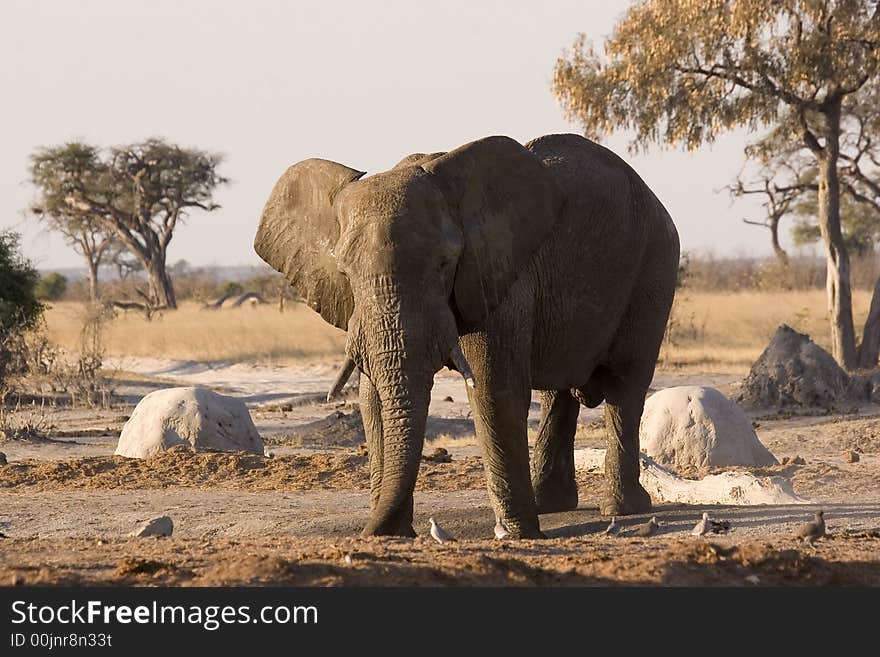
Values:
[(439, 534), (613, 529), (501, 530), (703, 527), (648, 528)]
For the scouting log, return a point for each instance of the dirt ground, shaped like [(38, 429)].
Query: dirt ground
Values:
[(67, 504)]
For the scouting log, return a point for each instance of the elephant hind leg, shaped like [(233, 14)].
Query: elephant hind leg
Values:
[(629, 369), (553, 460), (624, 494)]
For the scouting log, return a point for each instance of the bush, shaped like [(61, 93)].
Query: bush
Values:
[(19, 308), (51, 287), (232, 288)]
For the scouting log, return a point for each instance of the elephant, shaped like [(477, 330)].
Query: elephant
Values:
[(549, 267)]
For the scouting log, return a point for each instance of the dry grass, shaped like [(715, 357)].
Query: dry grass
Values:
[(727, 331), (259, 334), (711, 331)]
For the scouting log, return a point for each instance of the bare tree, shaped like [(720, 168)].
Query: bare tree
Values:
[(777, 204)]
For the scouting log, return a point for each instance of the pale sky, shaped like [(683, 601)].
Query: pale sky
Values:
[(269, 83)]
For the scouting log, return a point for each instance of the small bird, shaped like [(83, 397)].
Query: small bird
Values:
[(704, 526), (814, 530), (501, 530), (719, 526), (613, 529), (439, 534), (648, 528)]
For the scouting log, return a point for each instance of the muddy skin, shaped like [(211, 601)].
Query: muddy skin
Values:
[(549, 266)]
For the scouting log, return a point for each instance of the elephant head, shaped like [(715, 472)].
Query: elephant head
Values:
[(406, 261)]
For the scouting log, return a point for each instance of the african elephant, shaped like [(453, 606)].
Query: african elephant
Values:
[(548, 267)]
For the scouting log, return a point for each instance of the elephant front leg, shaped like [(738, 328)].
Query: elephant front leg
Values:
[(553, 460), (500, 404), (372, 419), (624, 494)]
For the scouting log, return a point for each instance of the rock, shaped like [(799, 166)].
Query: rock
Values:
[(795, 372), (731, 487), (866, 386), (698, 427), (439, 455), (192, 417), (338, 429), (161, 526), (2, 458), (851, 456)]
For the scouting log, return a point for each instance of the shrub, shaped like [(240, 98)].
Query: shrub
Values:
[(51, 287), (20, 310)]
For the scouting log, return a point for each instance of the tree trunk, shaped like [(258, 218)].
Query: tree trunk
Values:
[(777, 247), (870, 349), (93, 278), (161, 288), (843, 340)]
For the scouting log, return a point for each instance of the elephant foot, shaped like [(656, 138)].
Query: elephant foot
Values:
[(407, 532), (523, 530), (625, 502), (404, 530), (556, 496)]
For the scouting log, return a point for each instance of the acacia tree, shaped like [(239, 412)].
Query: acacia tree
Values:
[(789, 180), (81, 229), (137, 193), (681, 72)]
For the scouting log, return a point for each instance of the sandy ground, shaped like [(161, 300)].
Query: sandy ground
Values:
[(66, 504)]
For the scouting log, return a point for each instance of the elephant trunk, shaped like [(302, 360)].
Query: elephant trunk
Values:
[(399, 363)]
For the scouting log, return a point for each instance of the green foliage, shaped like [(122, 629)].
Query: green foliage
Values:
[(51, 287), (860, 224), (19, 308), (232, 288)]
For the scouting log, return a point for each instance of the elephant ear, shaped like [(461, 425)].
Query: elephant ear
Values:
[(507, 202), (298, 231)]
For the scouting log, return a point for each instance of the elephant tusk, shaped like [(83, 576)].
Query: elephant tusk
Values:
[(342, 378), (462, 366)]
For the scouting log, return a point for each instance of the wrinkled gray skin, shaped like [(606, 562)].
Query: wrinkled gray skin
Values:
[(551, 266)]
